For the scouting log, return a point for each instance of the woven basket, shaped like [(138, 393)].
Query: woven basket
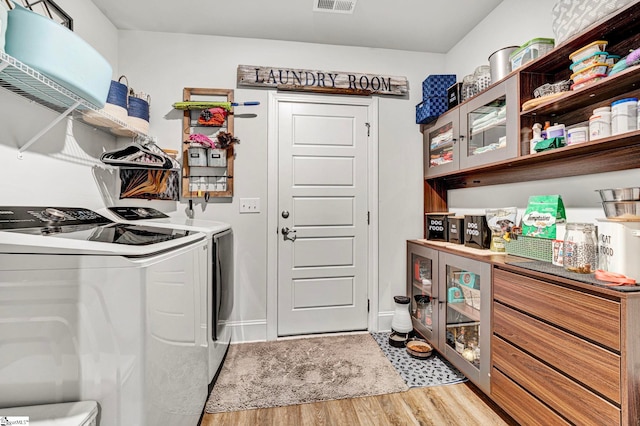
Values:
[(531, 248)]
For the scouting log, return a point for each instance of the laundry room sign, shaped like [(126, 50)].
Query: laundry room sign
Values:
[(347, 83)]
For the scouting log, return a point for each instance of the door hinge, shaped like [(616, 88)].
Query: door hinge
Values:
[(368, 304), (368, 129), (368, 218)]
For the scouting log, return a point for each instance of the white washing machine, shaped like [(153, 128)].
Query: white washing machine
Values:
[(103, 311), (218, 291)]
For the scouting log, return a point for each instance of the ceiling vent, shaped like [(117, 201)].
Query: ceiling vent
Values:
[(334, 6)]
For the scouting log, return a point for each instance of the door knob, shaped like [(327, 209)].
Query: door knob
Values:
[(285, 214), (286, 234)]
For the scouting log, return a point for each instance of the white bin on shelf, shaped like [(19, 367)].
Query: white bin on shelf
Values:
[(81, 413)]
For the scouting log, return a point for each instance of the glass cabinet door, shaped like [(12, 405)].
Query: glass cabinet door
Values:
[(440, 145), (489, 121), (422, 278), (465, 322)]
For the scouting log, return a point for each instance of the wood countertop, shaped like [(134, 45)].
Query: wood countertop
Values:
[(505, 261)]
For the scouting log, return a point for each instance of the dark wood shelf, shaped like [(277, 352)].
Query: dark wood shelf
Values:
[(622, 85), (620, 152)]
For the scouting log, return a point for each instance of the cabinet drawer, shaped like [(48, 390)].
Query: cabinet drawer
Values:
[(576, 403), (593, 317), (586, 362), (523, 407)]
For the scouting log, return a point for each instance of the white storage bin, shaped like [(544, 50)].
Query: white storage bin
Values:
[(197, 157), (82, 413), (216, 157), (618, 247)]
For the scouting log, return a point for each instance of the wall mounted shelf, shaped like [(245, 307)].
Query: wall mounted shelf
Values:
[(25, 81)]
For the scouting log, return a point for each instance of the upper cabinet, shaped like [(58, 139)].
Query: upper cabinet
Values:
[(480, 131), (488, 125)]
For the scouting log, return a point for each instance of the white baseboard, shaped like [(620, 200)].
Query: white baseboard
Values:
[(256, 330), (248, 331), (384, 321)]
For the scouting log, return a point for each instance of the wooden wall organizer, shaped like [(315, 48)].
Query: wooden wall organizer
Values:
[(189, 188)]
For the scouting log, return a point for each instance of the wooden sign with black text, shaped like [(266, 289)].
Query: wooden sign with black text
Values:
[(321, 81)]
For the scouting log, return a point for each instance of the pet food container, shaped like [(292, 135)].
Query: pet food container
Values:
[(580, 248), (58, 53), (437, 227), (499, 62), (618, 247), (476, 232), (455, 228)]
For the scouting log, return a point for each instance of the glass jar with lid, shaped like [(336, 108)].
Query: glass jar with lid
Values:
[(580, 248)]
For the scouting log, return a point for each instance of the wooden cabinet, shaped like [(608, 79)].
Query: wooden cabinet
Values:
[(423, 289), (569, 351), (620, 152), (481, 131), (441, 145), (202, 177), (450, 307), (488, 125)]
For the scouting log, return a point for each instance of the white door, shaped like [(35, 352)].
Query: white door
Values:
[(322, 200)]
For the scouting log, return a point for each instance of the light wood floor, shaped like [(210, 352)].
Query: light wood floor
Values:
[(461, 405)]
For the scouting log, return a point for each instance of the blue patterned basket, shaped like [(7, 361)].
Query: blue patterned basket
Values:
[(430, 109), (437, 85)]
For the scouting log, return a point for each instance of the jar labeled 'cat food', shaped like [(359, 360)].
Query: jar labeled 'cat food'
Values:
[(600, 123), (624, 116)]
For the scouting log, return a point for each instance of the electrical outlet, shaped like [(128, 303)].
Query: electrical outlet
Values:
[(249, 205)]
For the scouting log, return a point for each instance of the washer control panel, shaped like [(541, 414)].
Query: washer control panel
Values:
[(23, 217)]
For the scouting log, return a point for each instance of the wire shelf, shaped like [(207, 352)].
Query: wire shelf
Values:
[(25, 81)]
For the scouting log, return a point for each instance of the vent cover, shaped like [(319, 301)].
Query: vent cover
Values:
[(334, 6)]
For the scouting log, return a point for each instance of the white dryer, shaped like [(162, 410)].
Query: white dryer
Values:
[(104, 311), (218, 291)]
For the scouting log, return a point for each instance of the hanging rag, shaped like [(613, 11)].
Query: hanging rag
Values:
[(212, 116)]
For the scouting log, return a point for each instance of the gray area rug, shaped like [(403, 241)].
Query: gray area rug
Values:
[(433, 371), (296, 371)]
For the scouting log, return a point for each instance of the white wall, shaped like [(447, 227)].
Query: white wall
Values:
[(514, 22), (511, 23), (162, 64), (61, 168)]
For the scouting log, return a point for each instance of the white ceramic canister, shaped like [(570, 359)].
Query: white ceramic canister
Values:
[(618, 247), (624, 116), (600, 123)]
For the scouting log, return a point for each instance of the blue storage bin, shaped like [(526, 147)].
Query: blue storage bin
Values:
[(437, 85), (430, 109), (58, 53)]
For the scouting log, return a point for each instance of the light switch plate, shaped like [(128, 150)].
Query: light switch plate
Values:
[(249, 205)]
